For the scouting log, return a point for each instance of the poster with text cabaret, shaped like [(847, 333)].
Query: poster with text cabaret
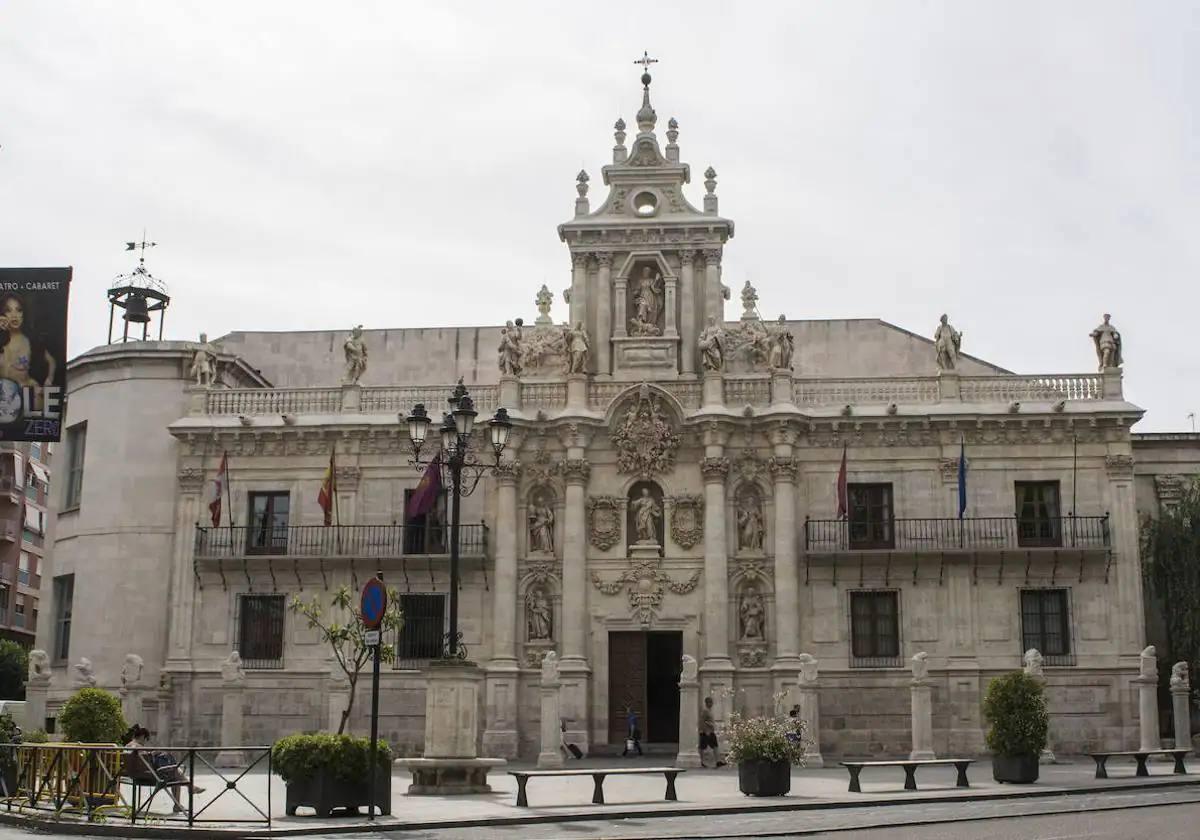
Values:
[(33, 352)]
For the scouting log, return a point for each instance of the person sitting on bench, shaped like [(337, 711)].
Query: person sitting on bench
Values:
[(156, 766)]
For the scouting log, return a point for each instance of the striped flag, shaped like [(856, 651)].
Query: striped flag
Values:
[(843, 500), (218, 488), (962, 477), (327, 498)]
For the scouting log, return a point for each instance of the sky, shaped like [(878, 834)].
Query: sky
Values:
[(1024, 167)]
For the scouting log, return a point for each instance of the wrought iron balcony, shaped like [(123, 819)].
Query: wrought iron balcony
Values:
[(987, 533), (378, 541)]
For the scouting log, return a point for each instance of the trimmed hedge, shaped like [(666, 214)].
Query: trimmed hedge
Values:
[(93, 716), (299, 757), (1015, 706)]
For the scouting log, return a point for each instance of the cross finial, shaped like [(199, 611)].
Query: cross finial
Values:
[(646, 60)]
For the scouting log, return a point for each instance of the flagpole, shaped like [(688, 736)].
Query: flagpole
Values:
[(228, 492), (962, 495), (1074, 482)]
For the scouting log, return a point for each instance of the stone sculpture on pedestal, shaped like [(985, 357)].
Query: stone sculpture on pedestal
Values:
[(1107, 341), (85, 675), (539, 622), (233, 683), (541, 527), (355, 350), (1147, 683), (1033, 663), (712, 346), (544, 299), (750, 523), (689, 713), (947, 344), (752, 614), (783, 345), (810, 709), (1181, 692), (922, 708), (509, 353), (550, 757), (646, 514), (578, 348), (131, 675), (204, 364), (647, 303)]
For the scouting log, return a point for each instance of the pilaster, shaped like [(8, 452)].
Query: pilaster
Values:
[(578, 302), (500, 736), (687, 308), (574, 670), (715, 468), (183, 570), (712, 284), (604, 314), (787, 588), (1129, 617)]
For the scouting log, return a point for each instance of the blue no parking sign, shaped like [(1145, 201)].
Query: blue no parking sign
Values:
[(373, 603)]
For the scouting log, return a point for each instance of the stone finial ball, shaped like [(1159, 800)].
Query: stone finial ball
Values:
[(646, 79)]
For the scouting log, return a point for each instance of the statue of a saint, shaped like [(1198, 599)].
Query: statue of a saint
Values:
[(646, 513), (539, 621), (204, 364), (509, 352), (752, 614), (356, 355), (1033, 663), (750, 524), (1108, 345), (712, 346), (920, 666), (541, 527), (578, 348), (647, 297), (1148, 665), (550, 668), (947, 343), (783, 345)]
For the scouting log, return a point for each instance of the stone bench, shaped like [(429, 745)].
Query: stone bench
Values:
[(1140, 756), (910, 770), (598, 776)]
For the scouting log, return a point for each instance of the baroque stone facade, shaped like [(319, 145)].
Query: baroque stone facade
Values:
[(658, 499)]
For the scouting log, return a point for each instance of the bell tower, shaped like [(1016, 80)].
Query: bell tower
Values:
[(646, 264)]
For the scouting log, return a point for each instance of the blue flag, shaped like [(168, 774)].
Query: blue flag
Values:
[(962, 477)]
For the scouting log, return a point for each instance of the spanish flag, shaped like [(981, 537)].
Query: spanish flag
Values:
[(327, 498)]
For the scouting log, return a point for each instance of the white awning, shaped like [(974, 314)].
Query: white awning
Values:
[(33, 519), (40, 472)]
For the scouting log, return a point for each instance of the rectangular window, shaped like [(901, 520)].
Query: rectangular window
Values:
[(426, 534), (870, 516), (874, 629), (23, 569), (4, 604), (260, 630), (19, 610), (64, 602), (1045, 625), (268, 530), (1039, 521), (76, 449), (35, 450), (423, 633)]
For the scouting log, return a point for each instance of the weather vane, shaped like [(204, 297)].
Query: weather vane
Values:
[(143, 245), (646, 61)]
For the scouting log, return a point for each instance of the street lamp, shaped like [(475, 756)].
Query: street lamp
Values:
[(456, 458)]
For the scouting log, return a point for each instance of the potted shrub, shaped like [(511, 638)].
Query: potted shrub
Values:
[(1015, 706), (327, 772), (765, 748), (93, 716)]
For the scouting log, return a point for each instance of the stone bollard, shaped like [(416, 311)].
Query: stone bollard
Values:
[(810, 709), (1033, 668), (37, 689), (1181, 691), (689, 714), (922, 709), (1147, 683), (233, 684), (550, 757)]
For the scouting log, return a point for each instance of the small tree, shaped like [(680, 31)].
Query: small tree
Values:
[(93, 716), (1015, 706), (348, 640), (1171, 565), (14, 664)]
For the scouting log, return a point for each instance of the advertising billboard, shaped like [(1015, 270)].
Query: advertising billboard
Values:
[(33, 352)]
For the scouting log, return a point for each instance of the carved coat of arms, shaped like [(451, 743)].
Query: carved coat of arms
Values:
[(604, 521), (644, 437), (687, 520)]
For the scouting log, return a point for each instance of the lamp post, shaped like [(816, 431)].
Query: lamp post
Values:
[(457, 459)]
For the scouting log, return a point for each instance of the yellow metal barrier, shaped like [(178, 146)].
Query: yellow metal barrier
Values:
[(74, 776)]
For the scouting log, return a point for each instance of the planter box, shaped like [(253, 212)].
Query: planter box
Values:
[(765, 778), (1016, 769), (325, 793)]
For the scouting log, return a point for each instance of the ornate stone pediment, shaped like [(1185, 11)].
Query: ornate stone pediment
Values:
[(645, 583), (687, 519), (604, 521), (644, 437)]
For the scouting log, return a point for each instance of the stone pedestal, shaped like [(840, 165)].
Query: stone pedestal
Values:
[(1148, 713), (550, 757), (162, 714), (575, 677), (131, 703), (232, 709), (948, 385), (689, 724), (500, 738), (577, 398), (645, 552), (351, 397), (37, 689), (1111, 383), (451, 764), (810, 709), (510, 392), (1180, 701), (713, 389), (781, 387), (922, 721)]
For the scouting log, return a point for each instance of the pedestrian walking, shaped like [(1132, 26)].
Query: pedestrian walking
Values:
[(708, 734)]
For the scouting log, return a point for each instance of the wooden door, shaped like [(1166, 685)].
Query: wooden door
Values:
[(626, 682)]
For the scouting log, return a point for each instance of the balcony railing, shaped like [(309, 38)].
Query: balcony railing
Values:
[(828, 536), (384, 541)]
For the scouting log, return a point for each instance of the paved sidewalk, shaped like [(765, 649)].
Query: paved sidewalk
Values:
[(700, 791)]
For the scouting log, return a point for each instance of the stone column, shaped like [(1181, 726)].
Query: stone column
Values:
[(1147, 685), (922, 713), (183, 573), (602, 342), (670, 320), (689, 716), (715, 468), (1129, 616), (687, 310), (578, 304), (712, 285), (574, 669), (1181, 691), (787, 585), (550, 757), (233, 703), (810, 709), (500, 736)]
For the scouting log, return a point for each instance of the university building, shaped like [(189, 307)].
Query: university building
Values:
[(779, 499)]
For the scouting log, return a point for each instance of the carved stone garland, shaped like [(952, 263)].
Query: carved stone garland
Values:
[(687, 519), (644, 584)]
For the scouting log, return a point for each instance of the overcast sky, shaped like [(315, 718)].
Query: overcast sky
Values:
[(1023, 166)]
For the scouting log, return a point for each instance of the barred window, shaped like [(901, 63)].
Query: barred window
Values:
[(874, 629), (1046, 625), (260, 630), (422, 634)]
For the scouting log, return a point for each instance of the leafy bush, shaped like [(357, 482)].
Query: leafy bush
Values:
[(37, 736), (1015, 706), (9, 731), (14, 664), (93, 716), (299, 757), (777, 738)]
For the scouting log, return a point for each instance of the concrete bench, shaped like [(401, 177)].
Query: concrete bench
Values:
[(1140, 756), (598, 776), (910, 770)]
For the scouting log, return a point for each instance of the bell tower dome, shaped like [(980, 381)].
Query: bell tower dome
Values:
[(646, 264)]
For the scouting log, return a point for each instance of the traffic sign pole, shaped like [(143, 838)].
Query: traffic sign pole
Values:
[(369, 600)]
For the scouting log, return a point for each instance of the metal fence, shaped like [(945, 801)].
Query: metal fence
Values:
[(969, 533), (104, 782), (381, 541)]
